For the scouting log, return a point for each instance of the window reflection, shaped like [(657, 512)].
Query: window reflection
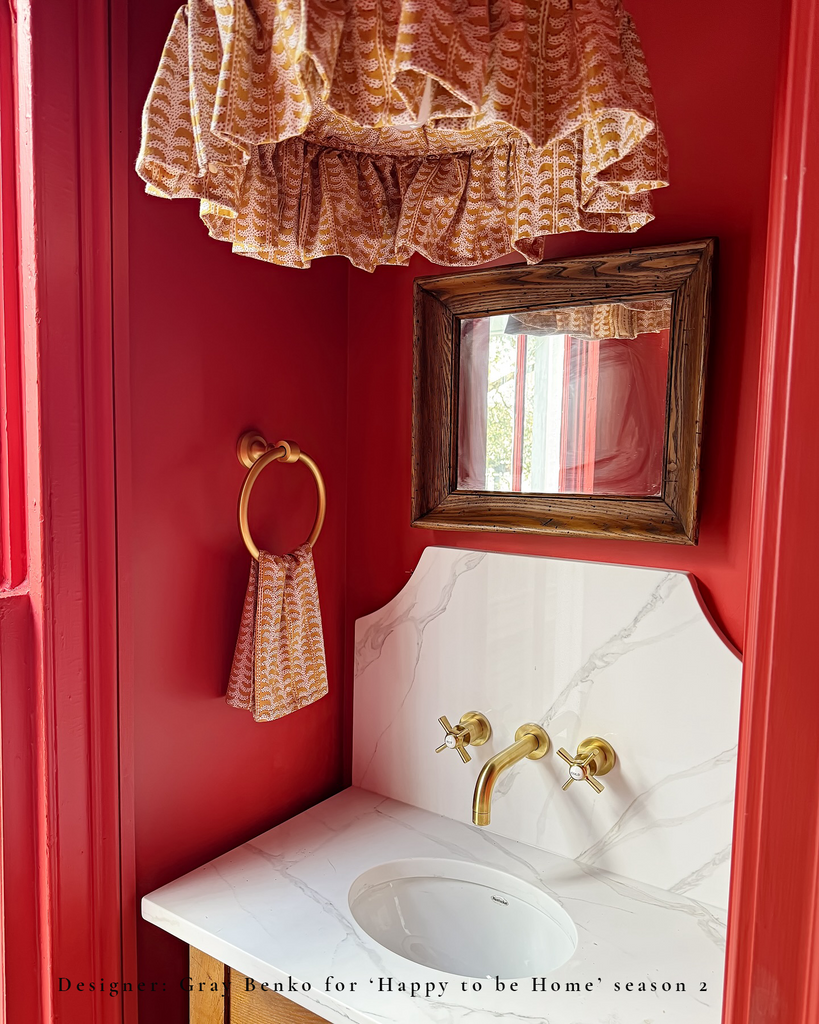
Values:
[(547, 411)]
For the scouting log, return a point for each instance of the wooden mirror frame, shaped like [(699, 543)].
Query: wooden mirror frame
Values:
[(442, 302)]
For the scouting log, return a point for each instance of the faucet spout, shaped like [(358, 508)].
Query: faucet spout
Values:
[(530, 741)]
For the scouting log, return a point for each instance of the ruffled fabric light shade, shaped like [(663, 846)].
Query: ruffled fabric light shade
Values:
[(597, 322), (374, 129)]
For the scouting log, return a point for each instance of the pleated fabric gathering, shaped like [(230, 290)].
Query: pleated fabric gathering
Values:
[(279, 664), (459, 129)]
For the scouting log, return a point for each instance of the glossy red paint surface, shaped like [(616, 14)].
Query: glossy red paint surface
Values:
[(714, 77), (773, 946), (58, 642), (21, 946), (207, 344), (270, 353), (12, 475), (216, 344)]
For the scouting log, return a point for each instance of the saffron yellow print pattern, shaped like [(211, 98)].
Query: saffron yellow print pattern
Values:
[(374, 129), (602, 321), (278, 665)]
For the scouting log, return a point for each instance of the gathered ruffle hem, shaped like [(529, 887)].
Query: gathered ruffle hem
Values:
[(321, 127)]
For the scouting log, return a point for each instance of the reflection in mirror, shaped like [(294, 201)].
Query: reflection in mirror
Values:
[(568, 400)]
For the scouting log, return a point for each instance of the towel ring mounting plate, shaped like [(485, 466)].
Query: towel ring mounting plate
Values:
[(254, 452)]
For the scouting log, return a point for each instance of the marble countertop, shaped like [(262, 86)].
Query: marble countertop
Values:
[(275, 909)]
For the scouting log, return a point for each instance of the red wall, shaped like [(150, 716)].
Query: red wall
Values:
[(218, 343), (209, 344), (713, 75)]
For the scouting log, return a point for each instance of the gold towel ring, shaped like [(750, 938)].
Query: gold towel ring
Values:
[(254, 451)]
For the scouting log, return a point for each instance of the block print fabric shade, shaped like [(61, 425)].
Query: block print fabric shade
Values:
[(374, 129), (598, 321)]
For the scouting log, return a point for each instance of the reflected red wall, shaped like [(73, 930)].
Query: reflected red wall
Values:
[(631, 411), (714, 80), (218, 343)]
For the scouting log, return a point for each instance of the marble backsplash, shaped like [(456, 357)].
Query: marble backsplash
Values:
[(583, 649)]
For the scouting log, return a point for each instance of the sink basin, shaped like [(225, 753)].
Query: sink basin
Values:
[(462, 918)]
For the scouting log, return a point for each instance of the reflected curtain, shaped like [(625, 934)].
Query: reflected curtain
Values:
[(578, 431), (596, 321), (472, 404)]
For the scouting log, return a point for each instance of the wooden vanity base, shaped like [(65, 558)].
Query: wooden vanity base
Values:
[(220, 996)]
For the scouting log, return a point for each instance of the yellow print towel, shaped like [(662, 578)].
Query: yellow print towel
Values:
[(278, 665)]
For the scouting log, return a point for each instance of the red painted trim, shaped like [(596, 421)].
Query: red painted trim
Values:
[(121, 173), (21, 946), (591, 380), (772, 974), (520, 413), (578, 432), (12, 469), (70, 882)]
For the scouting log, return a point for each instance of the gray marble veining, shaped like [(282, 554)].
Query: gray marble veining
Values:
[(276, 909), (583, 649)]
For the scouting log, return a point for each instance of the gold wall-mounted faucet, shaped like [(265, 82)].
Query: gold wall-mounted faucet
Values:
[(530, 741), (594, 757), (473, 729)]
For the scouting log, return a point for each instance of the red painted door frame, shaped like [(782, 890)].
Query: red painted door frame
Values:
[(66, 896), (62, 860), (772, 974), (12, 492)]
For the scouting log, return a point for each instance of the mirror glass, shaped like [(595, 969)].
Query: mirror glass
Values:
[(565, 400)]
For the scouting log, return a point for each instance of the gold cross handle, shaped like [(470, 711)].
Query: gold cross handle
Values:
[(594, 757), (473, 729)]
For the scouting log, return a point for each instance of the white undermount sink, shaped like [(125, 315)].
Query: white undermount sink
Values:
[(462, 918)]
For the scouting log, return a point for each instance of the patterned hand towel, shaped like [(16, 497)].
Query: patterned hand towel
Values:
[(278, 665)]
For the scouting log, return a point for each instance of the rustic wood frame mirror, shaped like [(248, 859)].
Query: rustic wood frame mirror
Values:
[(681, 273)]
